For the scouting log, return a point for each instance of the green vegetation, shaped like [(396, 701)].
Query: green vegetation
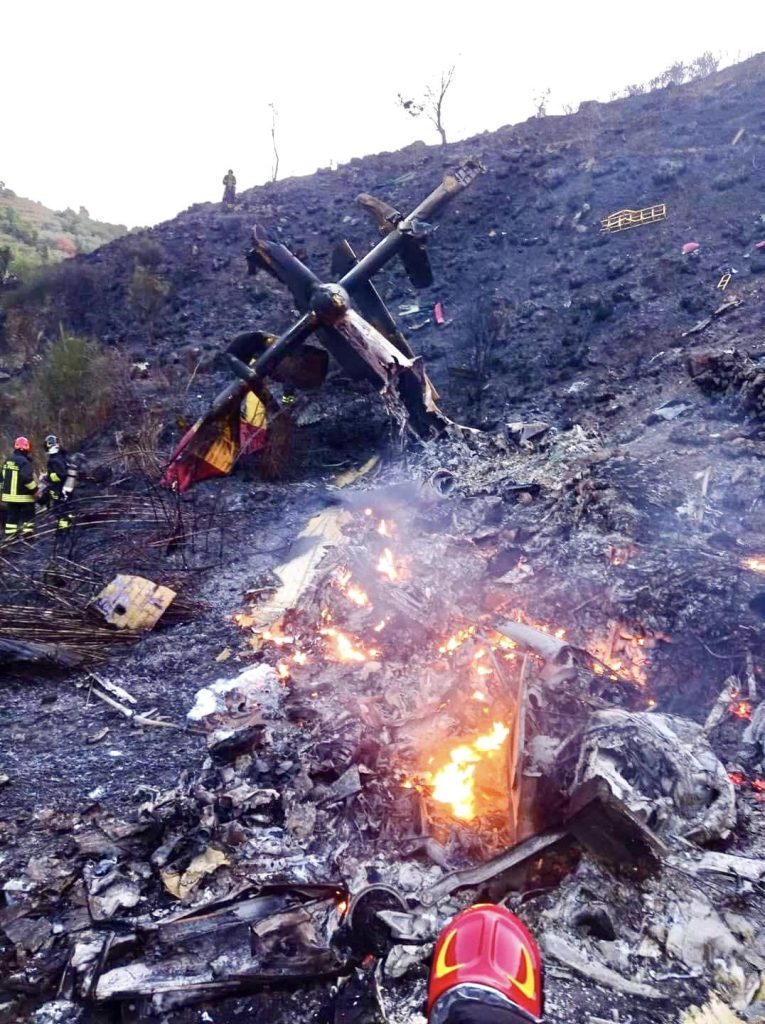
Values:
[(71, 392), (37, 237)]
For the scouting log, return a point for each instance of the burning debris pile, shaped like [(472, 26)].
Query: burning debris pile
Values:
[(532, 676), (402, 743)]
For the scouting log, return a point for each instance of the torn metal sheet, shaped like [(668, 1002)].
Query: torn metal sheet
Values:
[(524, 851), (182, 884), (606, 827), (661, 767), (284, 935), (298, 573)]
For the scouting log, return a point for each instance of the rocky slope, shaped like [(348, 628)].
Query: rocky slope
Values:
[(578, 302), (635, 515)]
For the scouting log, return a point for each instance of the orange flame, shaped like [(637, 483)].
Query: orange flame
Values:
[(756, 563), (357, 595), (352, 591), (758, 785), (457, 640), (741, 709), (347, 649), (275, 636), (387, 566), (383, 529), (631, 661), (454, 784)]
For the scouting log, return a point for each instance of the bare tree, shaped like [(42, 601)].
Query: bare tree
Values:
[(540, 102), (275, 163), (432, 105)]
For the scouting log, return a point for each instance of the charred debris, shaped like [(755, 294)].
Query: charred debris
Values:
[(401, 738), (518, 665)]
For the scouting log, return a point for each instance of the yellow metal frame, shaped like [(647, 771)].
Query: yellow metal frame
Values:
[(724, 281), (623, 219)]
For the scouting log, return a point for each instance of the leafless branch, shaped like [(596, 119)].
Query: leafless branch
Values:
[(275, 163)]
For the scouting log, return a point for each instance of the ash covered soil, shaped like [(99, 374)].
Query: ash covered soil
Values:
[(643, 495)]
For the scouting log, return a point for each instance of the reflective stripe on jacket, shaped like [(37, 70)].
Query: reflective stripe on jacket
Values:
[(19, 483), (57, 473)]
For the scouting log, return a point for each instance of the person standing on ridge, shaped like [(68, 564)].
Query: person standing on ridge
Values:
[(56, 494), (19, 488), (229, 189)]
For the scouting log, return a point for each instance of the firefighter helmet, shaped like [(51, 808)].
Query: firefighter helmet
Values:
[(21, 444), (488, 947), (51, 441)]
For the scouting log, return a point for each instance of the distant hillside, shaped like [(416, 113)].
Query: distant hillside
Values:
[(31, 235)]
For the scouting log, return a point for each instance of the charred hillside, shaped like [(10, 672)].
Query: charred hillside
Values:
[(574, 301), (575, 594)]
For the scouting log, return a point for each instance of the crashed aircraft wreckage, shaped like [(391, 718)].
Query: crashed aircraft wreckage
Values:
[(364, 340)]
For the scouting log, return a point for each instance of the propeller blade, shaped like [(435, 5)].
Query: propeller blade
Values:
[(416, 261), (278, 261), (367, 298)]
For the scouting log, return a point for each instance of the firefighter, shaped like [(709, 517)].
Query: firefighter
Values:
[(19, 489), (229, 189), (56, 495)]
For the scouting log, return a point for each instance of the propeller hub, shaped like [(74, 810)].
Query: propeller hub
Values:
[(329, 302)]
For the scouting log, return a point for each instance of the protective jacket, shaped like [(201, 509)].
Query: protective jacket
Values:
[(57, 473), (19, 483)]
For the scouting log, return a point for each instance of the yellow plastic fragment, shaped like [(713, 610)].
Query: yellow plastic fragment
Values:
[(623, 219), (132, 602), (349, 476)]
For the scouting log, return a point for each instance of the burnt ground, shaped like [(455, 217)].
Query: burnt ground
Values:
[(637, 521)]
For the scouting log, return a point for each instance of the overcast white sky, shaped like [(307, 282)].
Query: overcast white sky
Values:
[(136, 110)]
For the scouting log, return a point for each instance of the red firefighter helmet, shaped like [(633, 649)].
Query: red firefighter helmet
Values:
[(22, 444), (488, 946)]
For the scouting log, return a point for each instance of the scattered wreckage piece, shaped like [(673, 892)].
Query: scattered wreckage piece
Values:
[(474, 876), (662, 767), (285, 933), (299, 573), (557, 654), (713, 1012), (606, 827), (567, 953), (131, 713), (229, 711), (624, 219), (369, 346), (133, 602), (702, 325), (714, 862)]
